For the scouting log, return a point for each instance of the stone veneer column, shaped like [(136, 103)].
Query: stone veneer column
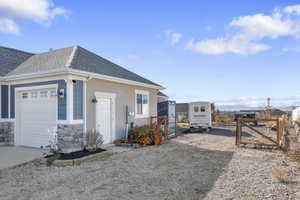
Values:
[(70, 137), (7, 132)]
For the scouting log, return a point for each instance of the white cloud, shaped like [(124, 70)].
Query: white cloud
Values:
[(246, 31), (292, 9), (173, 37), (222, 45), (38, 10), (8, 26)]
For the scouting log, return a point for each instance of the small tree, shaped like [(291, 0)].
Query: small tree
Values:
[(53, 147), (94, 140)]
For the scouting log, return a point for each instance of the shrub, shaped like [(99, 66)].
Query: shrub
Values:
[(146, 135), (184, 120), (93, 140), (53, 147), (222, 120)]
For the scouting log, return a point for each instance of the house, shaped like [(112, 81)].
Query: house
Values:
[(69, 91), (161, 97)]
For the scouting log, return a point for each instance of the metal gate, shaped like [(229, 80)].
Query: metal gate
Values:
[(168, 109)]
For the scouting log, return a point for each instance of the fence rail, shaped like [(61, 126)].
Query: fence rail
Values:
[(244, 122)]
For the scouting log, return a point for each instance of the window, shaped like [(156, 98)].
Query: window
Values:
[(202, 109), (24, 95), (196, 109), (53, 93), (142, 103), (34, 95), (43, 94), (139, 100)]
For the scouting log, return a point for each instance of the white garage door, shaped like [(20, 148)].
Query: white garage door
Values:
[(36, 114)]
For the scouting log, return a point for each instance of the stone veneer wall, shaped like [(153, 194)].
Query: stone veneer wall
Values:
[(7, 132), (70, 137)]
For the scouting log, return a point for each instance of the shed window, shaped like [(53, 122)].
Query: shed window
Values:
[(24, 95), (53, 93), (196, 109), (44, 94), (34, 95), (202, 109)]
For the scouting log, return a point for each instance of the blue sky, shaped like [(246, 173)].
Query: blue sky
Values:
[(198, 50)]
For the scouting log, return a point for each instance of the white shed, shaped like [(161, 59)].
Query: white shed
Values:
[(296, 114)]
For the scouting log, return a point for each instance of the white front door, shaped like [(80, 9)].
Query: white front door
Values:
[(104, 118), (36, 114)]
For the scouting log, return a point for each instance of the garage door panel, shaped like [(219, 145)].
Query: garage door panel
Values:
[(36, 117)]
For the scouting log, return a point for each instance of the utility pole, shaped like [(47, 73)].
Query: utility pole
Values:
[(268, 102)]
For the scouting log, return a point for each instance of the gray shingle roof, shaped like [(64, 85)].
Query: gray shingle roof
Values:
[(161, 94), (10, 59), (78, 58), (50, 60), (87, 61)]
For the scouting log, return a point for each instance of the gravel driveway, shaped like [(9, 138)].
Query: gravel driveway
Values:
[(193, 166)]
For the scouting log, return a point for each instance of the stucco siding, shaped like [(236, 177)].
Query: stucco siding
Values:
[(125, 95)]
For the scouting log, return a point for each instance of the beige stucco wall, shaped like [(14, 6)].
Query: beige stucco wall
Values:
[(125, 95)]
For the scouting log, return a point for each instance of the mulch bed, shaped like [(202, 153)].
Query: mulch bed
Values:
[(76, 154)]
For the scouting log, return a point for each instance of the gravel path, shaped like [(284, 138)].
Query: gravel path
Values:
[(193, 166)]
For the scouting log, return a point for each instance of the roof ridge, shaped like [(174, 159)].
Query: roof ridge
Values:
[(72, 55), (54, 50)]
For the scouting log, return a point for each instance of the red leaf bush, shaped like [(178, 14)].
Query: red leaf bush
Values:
[(146, 135)]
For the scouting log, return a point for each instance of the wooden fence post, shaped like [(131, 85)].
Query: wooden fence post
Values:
[(278, 131), (237, 131)]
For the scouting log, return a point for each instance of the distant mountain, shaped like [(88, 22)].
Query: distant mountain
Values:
[(236, 107), (245, 107), (287, 108)]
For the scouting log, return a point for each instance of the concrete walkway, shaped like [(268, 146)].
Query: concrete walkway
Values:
[(11, 155)]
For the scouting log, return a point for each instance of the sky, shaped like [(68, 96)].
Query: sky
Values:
[(231, 52)]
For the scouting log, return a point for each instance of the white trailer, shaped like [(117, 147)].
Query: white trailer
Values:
[(296, 114), (200, 115)]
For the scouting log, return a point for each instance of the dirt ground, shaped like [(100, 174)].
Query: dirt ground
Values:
[(191, 166)]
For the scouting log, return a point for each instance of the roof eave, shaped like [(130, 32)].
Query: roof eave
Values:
[(80, 73), (114, 79)]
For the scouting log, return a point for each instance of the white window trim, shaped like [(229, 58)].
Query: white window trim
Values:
[(84, 108), (143, 92), (69, 101)]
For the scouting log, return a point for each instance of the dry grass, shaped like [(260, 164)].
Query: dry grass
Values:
[(282, 176)]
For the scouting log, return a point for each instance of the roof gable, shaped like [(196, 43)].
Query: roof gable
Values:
[(10, 59), (43, 62)]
